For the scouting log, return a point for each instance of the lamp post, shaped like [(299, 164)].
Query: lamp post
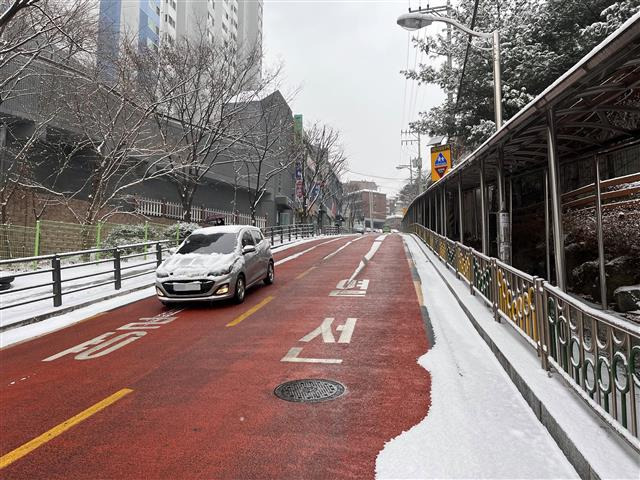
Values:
[(416, 21)]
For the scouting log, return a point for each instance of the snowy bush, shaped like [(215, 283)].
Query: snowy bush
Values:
[(184, 229), (128, 234)]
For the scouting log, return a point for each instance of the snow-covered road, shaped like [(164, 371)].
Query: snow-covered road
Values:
[(478, 424)]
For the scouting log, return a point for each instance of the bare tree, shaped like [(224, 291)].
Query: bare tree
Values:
[(112, 144), (39, 43), (204, 90), (324, 160), (267, 148)]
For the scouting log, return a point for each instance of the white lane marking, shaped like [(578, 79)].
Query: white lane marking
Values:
[(112, 344), (292, 356), (368, 256), (324, 329), (79, 348), (299, 254), (148, 323), (350, 288), (97, 347), (327, 334), (341, 248), (347, 330)]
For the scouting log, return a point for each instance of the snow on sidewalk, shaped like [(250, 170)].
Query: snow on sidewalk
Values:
[(478, 424)]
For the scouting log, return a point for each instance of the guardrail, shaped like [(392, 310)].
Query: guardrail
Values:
[(287, 233), (120, 265), (597, 354)]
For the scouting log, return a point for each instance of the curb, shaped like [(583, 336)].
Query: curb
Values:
[(71, 308), (568, 447)]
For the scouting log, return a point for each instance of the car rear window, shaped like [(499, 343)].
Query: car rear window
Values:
[(209, 243)]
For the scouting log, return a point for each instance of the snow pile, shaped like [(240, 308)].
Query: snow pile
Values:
[(478, 424)]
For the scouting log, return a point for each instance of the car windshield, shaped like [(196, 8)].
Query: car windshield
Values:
[(209, 243)]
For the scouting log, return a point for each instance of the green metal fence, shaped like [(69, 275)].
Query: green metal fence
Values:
[(49, 237)]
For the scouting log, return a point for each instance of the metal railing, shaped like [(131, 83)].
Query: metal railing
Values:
[(597, 354), (74, 270), (288, 233), (161, 208)]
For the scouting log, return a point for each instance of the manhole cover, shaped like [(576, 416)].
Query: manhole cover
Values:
[(309, 390)]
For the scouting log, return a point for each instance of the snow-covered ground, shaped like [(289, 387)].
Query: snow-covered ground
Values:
[(97, 295), (478, 424)]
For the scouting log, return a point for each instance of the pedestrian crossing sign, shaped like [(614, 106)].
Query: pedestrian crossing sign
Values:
[(440, 161)]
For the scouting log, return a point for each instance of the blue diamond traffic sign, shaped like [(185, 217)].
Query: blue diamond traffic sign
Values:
[(440, 160)]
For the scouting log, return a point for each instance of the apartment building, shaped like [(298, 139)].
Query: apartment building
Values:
[(230, 22)]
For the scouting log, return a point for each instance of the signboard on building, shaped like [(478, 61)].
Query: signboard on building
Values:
[(440, 161)]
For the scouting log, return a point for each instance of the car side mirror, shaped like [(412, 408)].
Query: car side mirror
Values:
[(248, 249)]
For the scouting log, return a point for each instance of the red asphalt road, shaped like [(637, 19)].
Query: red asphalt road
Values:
[(202, 404)]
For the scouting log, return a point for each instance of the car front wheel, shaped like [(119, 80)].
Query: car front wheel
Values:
[(238, 296), (268, 280)]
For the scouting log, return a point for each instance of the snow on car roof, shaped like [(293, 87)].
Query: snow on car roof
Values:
[(224, 229)]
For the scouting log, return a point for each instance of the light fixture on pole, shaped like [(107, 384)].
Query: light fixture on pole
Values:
[(415, 21)]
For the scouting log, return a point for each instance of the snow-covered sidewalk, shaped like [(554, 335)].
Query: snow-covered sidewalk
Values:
[(478, 424)]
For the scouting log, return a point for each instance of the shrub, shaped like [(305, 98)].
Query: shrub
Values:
[(128, 234), (184, 229)]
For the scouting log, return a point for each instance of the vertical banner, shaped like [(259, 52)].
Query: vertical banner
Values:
[(440, 161)]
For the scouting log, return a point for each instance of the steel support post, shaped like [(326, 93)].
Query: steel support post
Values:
[(601, 259), (430, 225), (436, 210), (483, 210), (547, 247), (556, 202), (460, 210), (502, 220), (444, 211), (511, 219)]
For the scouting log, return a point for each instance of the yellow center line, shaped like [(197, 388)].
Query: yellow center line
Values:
[(305, 273), (249, 312), (30, 446)]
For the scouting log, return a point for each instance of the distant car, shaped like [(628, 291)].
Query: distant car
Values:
[(215, 263)]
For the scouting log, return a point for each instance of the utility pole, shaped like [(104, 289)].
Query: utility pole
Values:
[(411, 137), (371, 209)]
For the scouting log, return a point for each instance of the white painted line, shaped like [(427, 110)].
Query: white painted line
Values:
[(324, 329), (368, 256), (347, 330), (299, 254), (292, 356)]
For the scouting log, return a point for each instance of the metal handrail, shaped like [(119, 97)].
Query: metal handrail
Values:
[(55, 284), (596, 353)]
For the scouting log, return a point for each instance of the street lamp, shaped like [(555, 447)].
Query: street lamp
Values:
[(416, 21)]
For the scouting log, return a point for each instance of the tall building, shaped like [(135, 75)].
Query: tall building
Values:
[(230, 22), (131, 19), (250, 28)]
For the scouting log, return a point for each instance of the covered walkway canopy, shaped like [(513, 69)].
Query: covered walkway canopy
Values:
[(592, 109)]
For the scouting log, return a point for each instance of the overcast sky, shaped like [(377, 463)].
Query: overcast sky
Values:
[(345, 57)]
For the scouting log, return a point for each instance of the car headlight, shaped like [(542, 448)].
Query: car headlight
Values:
[(221, 271), (162, 273)]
